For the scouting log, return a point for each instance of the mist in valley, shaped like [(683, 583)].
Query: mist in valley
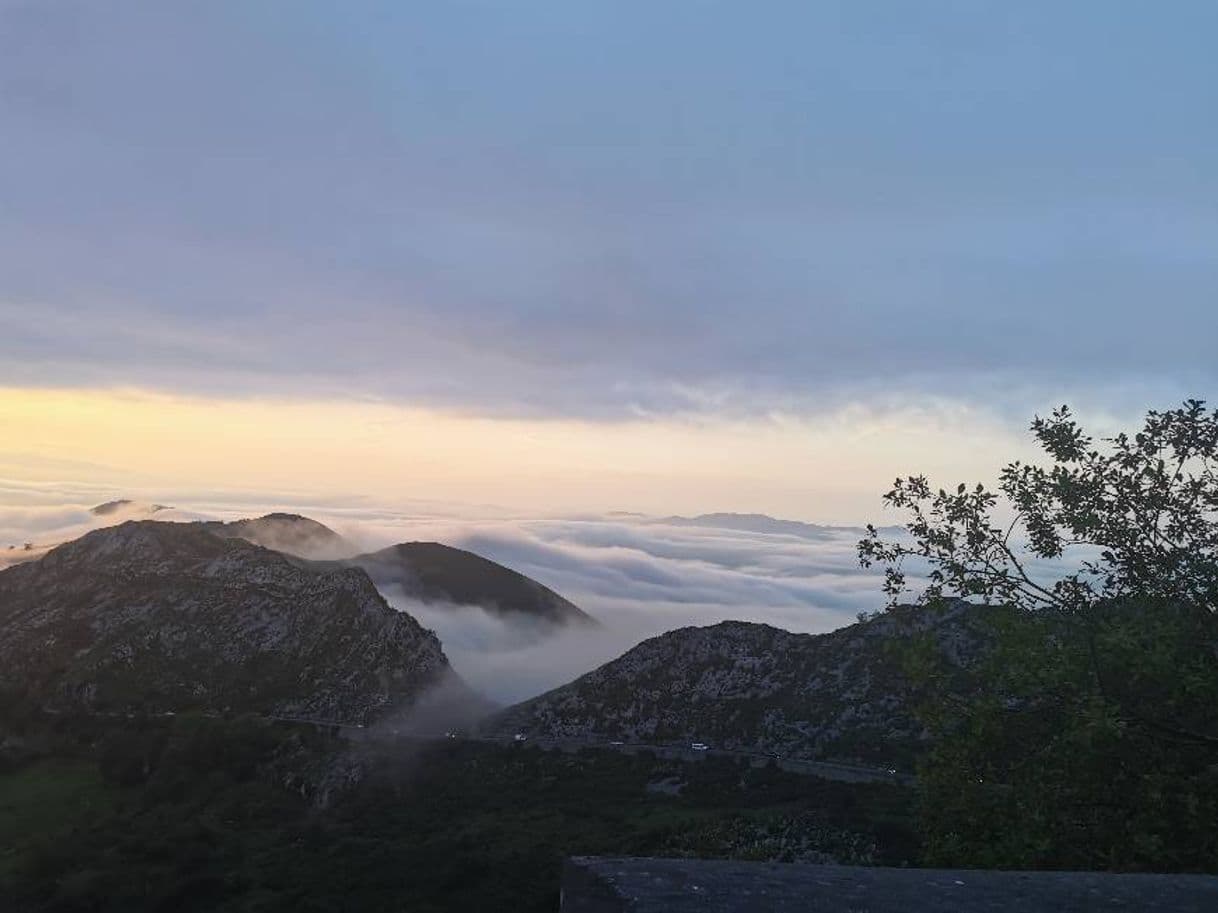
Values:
[(638, 576)]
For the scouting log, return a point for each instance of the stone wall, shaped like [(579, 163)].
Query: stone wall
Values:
[(617, 885)]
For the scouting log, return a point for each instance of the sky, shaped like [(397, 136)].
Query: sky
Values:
[(671, 257)]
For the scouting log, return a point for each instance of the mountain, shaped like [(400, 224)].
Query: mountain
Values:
[(19, 554), (762, 523), (126, 507), (427, 571), (751, 523), (290, 533), (431, 572), (108, 514), (744, 686), (170, 616)]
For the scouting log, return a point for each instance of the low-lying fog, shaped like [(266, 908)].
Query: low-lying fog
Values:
[(638, 575)]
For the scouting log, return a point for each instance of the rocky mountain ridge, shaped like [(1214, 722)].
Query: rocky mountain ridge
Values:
[(429, 572), (751, 687), (169, 616)]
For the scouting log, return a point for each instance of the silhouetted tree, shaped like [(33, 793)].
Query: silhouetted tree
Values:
[(1088, 736)]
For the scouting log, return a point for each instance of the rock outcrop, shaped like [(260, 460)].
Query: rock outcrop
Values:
[(751, 687), (162, 617)]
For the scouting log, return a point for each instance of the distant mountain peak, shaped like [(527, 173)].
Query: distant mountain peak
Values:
[(286, 532), (126, 505), (286, 516), (762, 523), (434, 572), (428, 571), (753, 523)]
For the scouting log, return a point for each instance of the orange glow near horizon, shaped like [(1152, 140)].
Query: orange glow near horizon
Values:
[(831, 469)]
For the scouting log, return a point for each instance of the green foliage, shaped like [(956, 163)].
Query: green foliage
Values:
[(1088, 737), (1041, 766), (127, 756), (453, 826), (46, 800), (1141, 514)]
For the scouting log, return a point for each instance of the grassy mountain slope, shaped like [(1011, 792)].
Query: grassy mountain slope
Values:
[(433, 572)]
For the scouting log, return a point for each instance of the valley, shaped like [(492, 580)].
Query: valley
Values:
[(163, 705)]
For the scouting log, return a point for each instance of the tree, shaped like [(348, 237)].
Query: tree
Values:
[(1088, 736)]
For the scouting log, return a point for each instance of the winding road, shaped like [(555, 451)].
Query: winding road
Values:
[(828, 770)]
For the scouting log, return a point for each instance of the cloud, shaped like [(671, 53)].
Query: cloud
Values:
[(30, 531), (637, 576), (640, 578), (551, 209)]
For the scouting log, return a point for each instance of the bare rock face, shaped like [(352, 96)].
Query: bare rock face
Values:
[(751, 687), (166, 617)]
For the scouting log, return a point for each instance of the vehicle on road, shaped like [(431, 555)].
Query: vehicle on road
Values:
[(699, 746), (520, 737)]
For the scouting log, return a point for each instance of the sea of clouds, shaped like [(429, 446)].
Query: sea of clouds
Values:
[(638, 575)]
